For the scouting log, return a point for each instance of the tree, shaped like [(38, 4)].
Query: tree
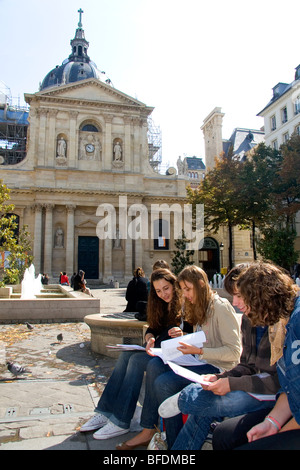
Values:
[(16, 242), (278, 241), (277, 245), (182, 257), (218, 192), (257, 176)]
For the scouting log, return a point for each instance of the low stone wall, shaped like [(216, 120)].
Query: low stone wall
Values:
[(117, 328), (74, 307)]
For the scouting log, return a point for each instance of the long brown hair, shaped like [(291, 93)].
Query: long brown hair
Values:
[(160, 313), (268, 291), (196, 313)]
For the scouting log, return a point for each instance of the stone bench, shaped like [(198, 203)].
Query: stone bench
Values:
[(114, 328)]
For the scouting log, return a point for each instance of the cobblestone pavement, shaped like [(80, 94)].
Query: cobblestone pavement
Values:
[(44, 408)]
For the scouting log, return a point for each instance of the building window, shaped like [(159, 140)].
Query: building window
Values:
[(285, 137), (297, 105), (161, 235), (273, 123), (284, 115), (297, 129), (274, 144)]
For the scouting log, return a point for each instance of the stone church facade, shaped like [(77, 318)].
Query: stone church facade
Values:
[(86, 147)]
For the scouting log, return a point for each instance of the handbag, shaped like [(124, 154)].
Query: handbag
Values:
[(158, 441)]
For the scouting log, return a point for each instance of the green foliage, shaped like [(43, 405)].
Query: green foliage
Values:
[(182, 257), (277, 245), (17, 244), (261, 192)]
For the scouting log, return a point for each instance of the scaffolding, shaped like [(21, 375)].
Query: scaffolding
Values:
[(13, 129), (154, 145)]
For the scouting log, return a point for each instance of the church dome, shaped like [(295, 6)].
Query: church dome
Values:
[(77, 67)]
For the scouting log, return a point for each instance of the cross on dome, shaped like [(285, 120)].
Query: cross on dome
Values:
[(80, 11)]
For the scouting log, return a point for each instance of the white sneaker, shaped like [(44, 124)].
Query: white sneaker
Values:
[(96, 422), (108, 431), (169, 407)]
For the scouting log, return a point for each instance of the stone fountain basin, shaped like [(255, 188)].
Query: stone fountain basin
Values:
[(55, 303)]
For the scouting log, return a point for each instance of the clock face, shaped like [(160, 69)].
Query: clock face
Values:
[(89, 148)]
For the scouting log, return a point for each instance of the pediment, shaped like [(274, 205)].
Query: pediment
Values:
[(87, 224), (91, 90)]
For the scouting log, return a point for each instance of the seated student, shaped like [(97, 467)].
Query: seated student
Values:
[(117, 404), (228, 394), (80, 283), (270, 293), (141, 306), (64, 280), (217, 318)]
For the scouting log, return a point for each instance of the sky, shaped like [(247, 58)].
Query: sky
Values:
[(184, 58)]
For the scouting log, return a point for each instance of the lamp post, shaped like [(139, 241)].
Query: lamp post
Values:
[(221, 250)]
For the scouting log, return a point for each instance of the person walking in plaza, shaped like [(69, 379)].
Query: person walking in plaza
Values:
[(205, 310), (117, 404), (231, 393), (266, 290)]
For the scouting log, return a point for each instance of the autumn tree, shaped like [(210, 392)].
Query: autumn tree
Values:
[(218, 192), (15, 241)]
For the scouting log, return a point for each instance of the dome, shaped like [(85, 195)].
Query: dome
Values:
[(77, 67)]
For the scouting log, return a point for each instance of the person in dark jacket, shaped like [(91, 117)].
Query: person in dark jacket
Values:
[(137, 291)]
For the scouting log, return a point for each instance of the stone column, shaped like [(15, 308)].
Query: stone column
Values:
[(107, 144), (48, 239), (128, 255), (50, 138), (127, 144), (42, 137), (70, 239), (37, 247), (73, 141), (136, 145), (107, 258)]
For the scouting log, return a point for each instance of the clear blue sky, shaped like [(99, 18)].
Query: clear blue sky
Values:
[(182, 57)]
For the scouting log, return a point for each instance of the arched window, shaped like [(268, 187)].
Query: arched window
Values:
[(89, 128)]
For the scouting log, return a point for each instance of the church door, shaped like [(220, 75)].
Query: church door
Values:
[(209, 257), (88, 256)]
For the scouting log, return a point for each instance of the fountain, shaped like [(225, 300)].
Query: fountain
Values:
[(38, 303), (31, 286)]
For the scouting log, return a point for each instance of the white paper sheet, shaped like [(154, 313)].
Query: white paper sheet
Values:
[(188, 374), (183, 359), (169, 347)]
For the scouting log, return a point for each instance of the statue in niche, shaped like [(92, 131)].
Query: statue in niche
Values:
[(117, 241), (59, 238), (61, 151), (117, 152), (61, 147)]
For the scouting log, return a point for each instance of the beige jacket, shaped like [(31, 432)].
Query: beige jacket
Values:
[(222, 330)]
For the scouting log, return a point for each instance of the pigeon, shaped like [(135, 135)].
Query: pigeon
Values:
[(59, 337), (30, 327), (16, 369)]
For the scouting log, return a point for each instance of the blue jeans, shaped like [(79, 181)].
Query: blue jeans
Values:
[(162, 383), (120, 396), (203, 407)]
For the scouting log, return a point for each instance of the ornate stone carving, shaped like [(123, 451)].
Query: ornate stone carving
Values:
[(90, 146)]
